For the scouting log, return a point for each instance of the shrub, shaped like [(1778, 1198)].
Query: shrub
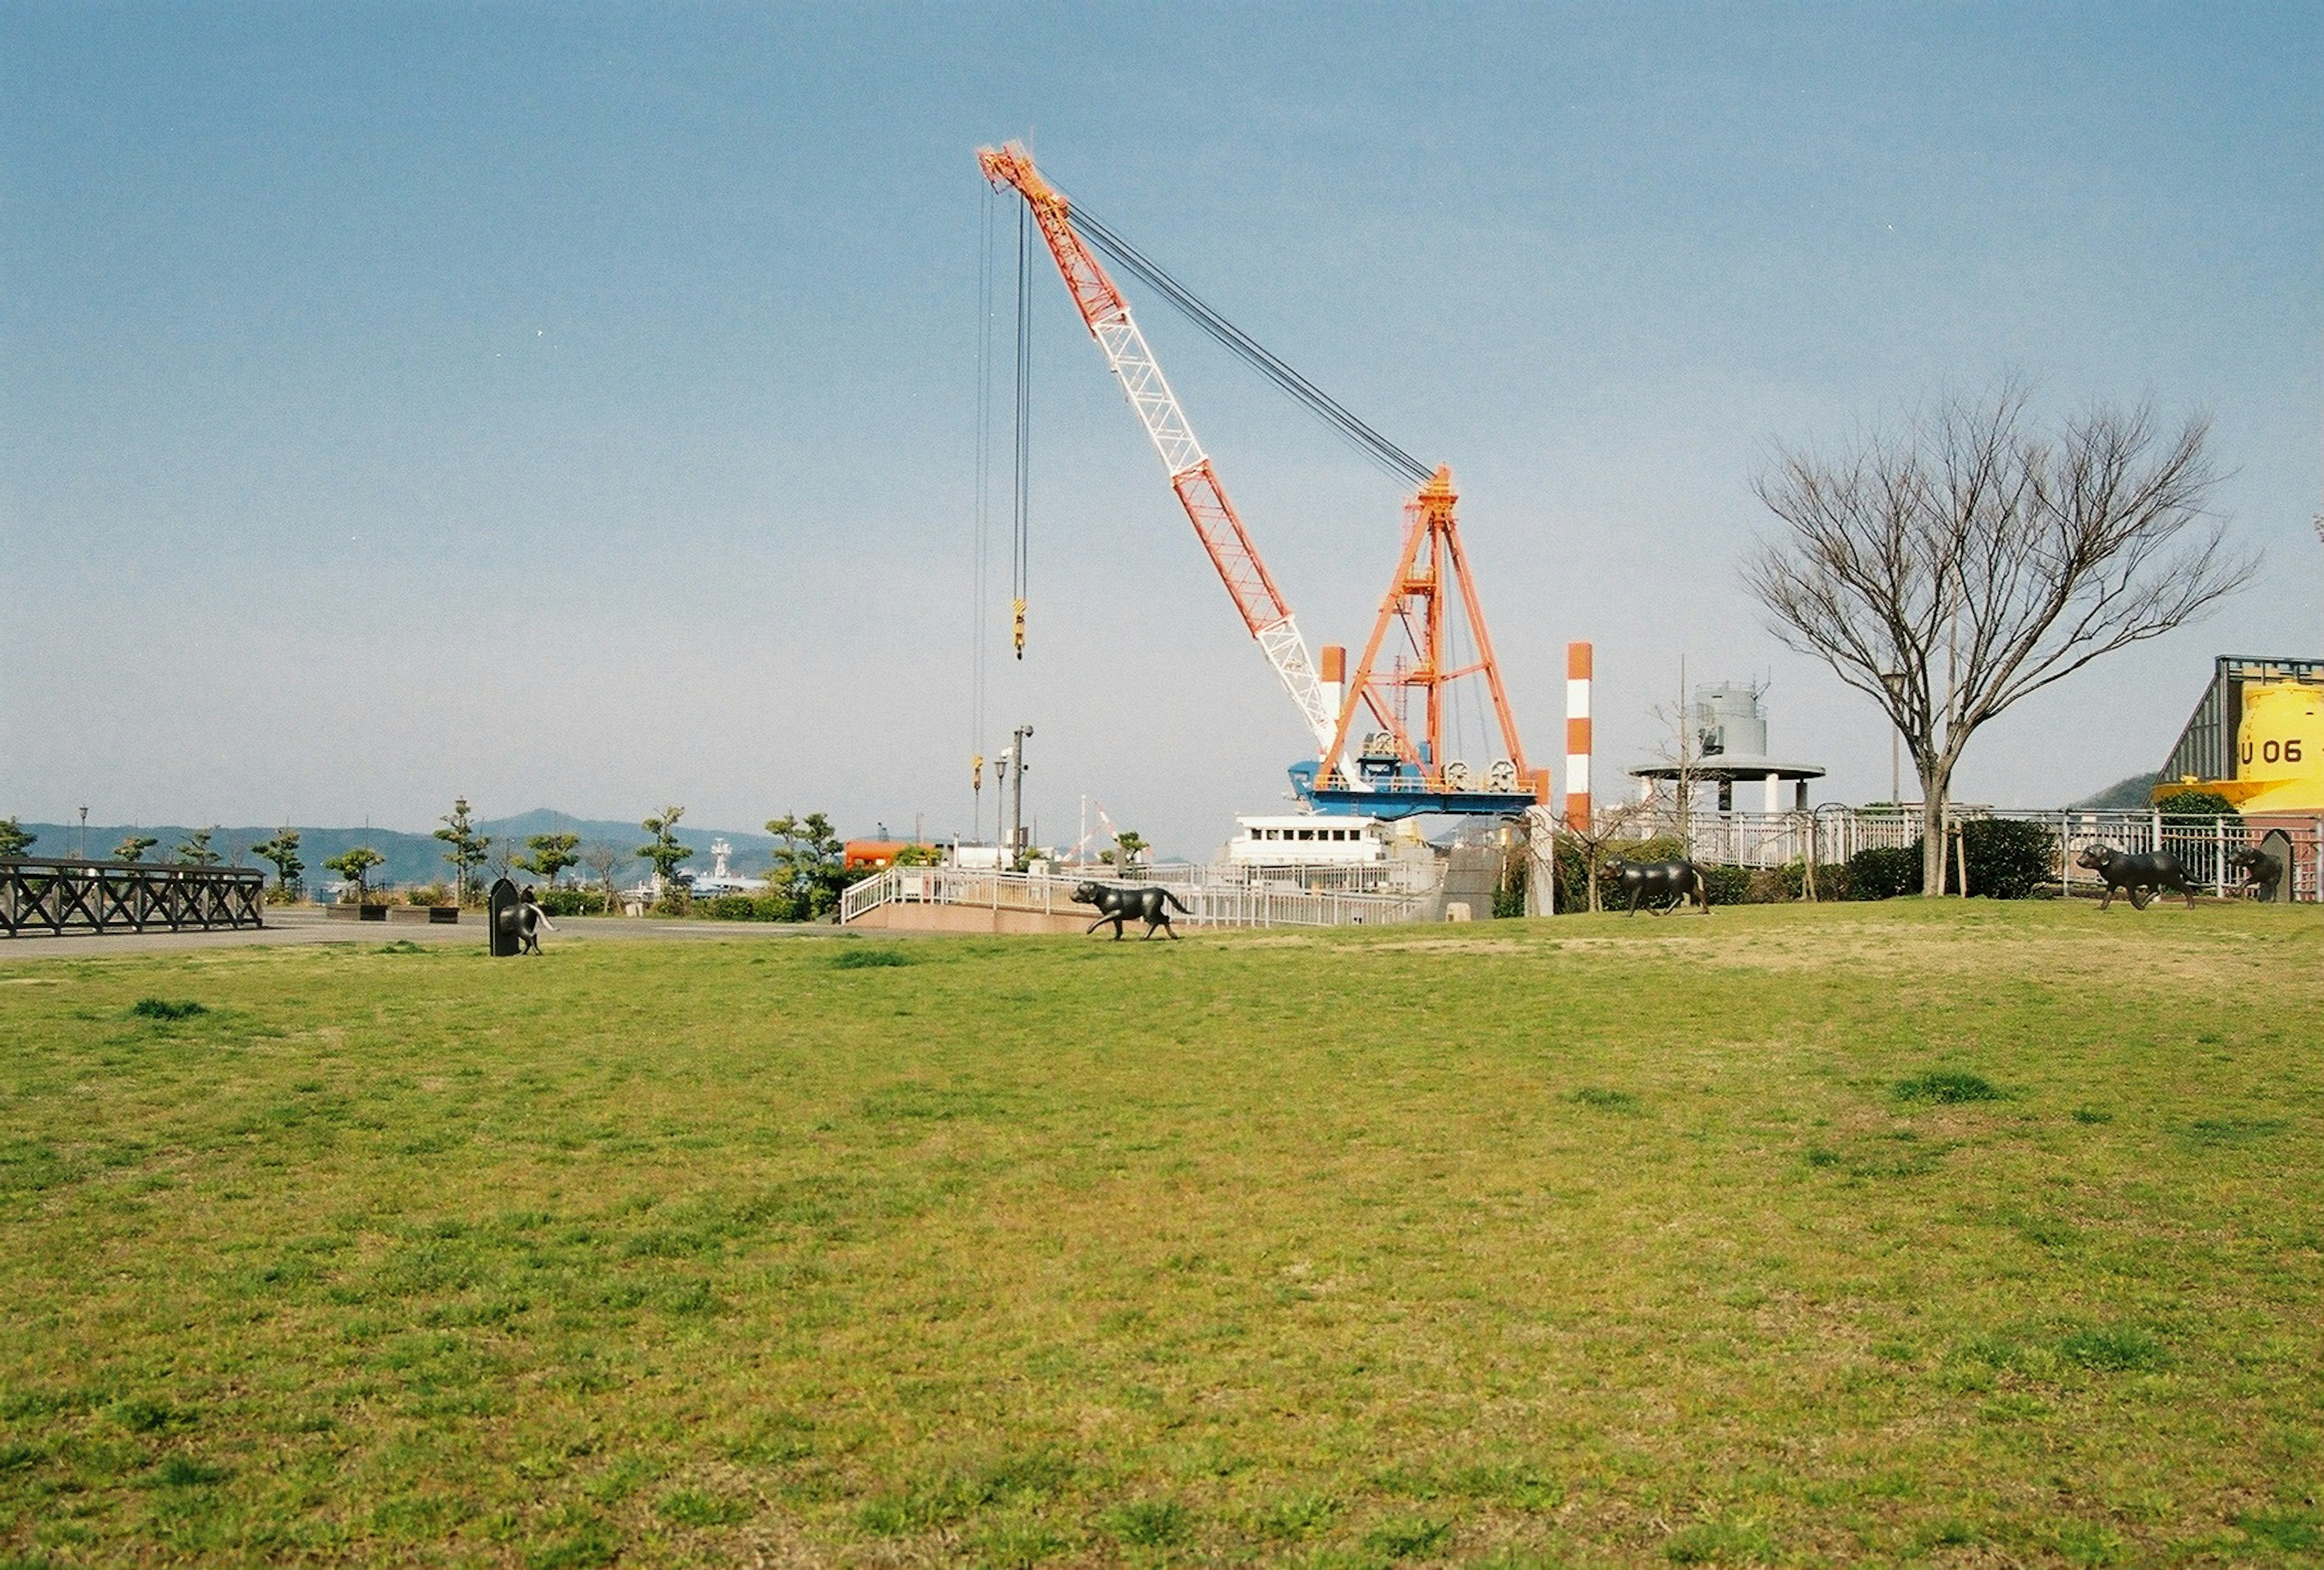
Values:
[(428, 894), (1509, 893), (1832, 880), (1883, 872), (730, 907), (2188, 817), (2008, 858), (1572, 879), (563, 901), (1727, 885)]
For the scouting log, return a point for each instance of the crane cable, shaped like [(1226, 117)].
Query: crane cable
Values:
[(980, 556), (1021, 539), (1244, 347)]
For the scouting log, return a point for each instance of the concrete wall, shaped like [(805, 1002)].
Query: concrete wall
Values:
[(899, 917)]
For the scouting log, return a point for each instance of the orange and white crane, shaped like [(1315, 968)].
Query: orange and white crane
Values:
[(1389, 771)]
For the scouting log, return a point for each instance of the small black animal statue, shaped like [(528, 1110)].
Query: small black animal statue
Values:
[(1119, 905), (1662, 885), (531, 919), (2261, 873), (2142, 876)]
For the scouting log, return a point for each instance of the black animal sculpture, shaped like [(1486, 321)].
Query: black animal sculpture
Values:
[(1119, 905), (1662, 885), (2142, 875), (2261, 873), (531, 919)]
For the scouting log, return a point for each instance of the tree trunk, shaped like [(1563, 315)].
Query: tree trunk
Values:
[(1936, 788)]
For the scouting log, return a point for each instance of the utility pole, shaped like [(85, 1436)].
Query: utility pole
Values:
[(1017, 794)]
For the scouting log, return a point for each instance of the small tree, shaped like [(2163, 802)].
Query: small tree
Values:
[(810, 865), (13, 840), (1969, 561), (1592, 841), (917, 855), (355, 865), (468, 846), (663, 851), (549, 854), (605, 864), (133, 846), (1128, 846), (282, 850), (194, 850)]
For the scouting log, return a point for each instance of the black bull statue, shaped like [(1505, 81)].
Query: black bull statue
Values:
[(1119, 905), (1660, 885), (2142, 875)]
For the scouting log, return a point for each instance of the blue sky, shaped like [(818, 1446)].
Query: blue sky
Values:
[(576, 406)]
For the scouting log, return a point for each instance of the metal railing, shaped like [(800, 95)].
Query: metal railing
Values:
[(1209, 903), (57, 899), (1832, 833)]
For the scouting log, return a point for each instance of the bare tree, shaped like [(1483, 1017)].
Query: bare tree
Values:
[(1608, 825), (605, 861), (1951, 569)]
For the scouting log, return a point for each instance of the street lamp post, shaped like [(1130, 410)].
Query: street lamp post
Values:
[(1893, 680), (84, 834), (999, 798), (1017, 794)]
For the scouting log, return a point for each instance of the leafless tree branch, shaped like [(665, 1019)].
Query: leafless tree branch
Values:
[(1951, 569)]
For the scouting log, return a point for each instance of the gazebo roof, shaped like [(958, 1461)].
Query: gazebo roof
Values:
[(1729, 766)]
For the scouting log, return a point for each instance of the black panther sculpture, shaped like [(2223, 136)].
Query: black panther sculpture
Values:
[(2146, 875), (1119, 905), (1661, 885), (2261, 873)]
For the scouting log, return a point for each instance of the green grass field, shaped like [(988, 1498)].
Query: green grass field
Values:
[(1841, 1234)]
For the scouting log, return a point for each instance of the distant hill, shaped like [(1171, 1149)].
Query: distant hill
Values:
[(412, 858), (2122, 794)]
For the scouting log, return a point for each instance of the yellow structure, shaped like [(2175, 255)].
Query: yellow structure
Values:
[(2279, 752)]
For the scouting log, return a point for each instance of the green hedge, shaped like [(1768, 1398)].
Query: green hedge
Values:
[(2008, 859), (1885, 873)]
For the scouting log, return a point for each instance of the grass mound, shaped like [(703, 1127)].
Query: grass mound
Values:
[(1948, 1086), (166, 1009), (870, 957)]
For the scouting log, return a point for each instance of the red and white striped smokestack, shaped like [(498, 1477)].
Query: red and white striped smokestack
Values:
[(1577, 735)]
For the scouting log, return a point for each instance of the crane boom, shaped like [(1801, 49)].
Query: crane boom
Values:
[(1191, 476)]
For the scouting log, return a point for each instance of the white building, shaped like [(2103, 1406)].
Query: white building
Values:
[(1308, 840)]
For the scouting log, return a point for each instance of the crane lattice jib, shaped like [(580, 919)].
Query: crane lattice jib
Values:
[(1107, 315)]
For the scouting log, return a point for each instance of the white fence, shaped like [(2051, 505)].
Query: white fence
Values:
[(1833, 834), (1209, 903)]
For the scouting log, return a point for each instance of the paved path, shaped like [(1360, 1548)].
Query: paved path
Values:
[(310, 925)]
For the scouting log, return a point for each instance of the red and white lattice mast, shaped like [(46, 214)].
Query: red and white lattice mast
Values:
[(1107, 315), (1399, 772)]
